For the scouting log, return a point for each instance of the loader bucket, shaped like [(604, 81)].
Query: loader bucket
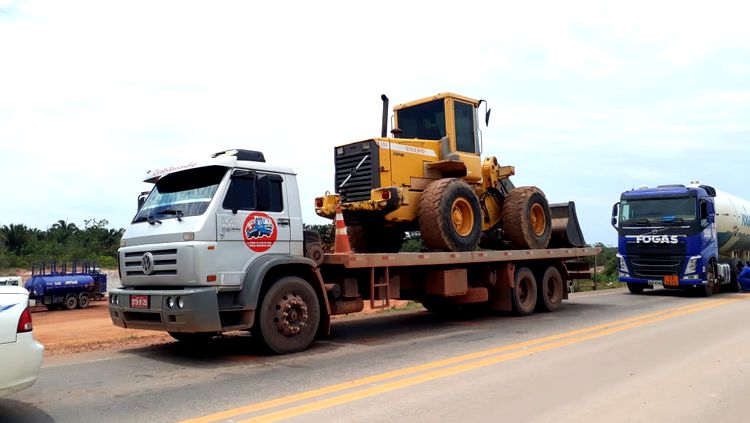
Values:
[(566, 232)]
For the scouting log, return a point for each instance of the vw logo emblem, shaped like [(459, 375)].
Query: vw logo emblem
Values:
[(147, 262)]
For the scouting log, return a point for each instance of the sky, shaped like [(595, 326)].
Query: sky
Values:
[(588, 98)]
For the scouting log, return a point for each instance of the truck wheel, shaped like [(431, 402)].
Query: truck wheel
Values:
[(71, 302), (526, 218), (84, 301), (735, 267), (708, 289), (635, 288), (375, 239), (550, 290), (449, 216), (524, 293), (192, 338), (289, 316)]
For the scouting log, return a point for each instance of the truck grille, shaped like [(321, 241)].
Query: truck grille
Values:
[(346, 159), (655, 267), (165, 262)]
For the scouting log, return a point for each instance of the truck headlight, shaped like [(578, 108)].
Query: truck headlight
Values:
[(621, 265), (692, 264), (170, 302)]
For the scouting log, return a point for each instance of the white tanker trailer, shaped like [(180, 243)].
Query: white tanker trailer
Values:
[(681, 236), (732, 225)]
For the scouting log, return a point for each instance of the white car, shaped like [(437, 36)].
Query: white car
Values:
[(20, 353)]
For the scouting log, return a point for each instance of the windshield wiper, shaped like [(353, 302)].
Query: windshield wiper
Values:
[(176, 212), (150, 219)]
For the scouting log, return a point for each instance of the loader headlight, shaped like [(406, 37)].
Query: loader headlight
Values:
[(692, 264)]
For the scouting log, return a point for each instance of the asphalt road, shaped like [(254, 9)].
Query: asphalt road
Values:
[(606, 356)]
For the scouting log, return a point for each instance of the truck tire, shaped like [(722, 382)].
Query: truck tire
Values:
[(550, 290), (708, 289), (526, 218), (70, 302), (289, 316), (524, 292), (735, 267), (449, 216), (375, 239), (636, 288), (84, 301), (197, 338)]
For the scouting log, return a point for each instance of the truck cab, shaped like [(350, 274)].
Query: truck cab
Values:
[(667, 237), (196, 252)]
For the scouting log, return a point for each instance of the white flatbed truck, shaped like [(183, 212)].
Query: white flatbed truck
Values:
[(218, 245)]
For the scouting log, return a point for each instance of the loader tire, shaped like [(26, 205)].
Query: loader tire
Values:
[(449, 216), (375, 239), (526, 218)]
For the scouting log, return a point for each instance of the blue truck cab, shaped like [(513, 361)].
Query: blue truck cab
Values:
[(667, 237)]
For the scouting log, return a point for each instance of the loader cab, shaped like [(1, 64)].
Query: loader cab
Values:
[(448, 117)]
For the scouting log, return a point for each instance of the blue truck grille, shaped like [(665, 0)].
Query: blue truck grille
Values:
[(655, 267), (365, 178)]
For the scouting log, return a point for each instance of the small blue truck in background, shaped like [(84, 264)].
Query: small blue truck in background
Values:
[(57, 286), (690, 237)]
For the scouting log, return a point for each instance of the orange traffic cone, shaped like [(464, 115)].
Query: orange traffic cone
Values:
[(341, 242)]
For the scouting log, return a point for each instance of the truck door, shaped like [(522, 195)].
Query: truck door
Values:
[(253, 219)]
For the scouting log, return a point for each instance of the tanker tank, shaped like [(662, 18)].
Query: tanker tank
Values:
[(732, 225)]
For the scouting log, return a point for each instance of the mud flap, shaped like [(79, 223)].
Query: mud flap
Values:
[(566, 231)]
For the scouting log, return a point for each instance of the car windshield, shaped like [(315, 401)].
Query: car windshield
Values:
[(424, 121), (181, 194), (658, 210)]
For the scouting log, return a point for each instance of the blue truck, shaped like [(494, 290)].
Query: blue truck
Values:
[(60, 286), (691, 237)]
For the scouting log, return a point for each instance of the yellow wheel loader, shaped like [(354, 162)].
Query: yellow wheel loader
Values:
[(429, 177)]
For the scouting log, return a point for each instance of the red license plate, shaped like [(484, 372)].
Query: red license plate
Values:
[(139, 301)]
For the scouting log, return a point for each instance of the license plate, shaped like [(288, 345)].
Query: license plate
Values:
[(139, 301), (655, 283), (671, 280)]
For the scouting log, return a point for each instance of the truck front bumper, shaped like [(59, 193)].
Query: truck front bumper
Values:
[(199, 311), (681, 283)]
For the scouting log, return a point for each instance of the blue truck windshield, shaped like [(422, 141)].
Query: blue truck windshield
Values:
[(658, 211), (424, 121), (181, 194)]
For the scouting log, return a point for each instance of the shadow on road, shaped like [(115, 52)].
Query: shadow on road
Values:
[(242, 349), (21, 412)]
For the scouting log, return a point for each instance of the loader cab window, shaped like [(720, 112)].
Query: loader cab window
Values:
[(423, 121), (465, 134), (254, 191)]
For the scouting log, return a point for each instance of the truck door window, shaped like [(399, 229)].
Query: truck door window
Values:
[(465, 136), (254, 191)]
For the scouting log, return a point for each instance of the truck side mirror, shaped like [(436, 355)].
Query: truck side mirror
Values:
[(142, 199), (707, 215), (615, 209)]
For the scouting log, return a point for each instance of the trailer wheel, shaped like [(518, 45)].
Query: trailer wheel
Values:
[(526, 218), (449, 216), (84, 301), (71, 302), (375, 239), (524, 293), (550, 290), (289, 316)]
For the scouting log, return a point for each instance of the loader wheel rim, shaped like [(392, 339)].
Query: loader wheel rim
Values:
[(462, 217), (538, 219)]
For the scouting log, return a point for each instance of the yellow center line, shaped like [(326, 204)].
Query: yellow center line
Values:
[(430, 365)]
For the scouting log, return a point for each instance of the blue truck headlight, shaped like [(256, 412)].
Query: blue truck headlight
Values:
[(692, 264), (622, 266)]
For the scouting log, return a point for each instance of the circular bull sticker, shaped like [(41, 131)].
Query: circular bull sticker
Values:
[(259, 232)]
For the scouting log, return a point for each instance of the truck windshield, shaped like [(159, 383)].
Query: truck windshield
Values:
[(658, 210), (181, 194), (424, 121)]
